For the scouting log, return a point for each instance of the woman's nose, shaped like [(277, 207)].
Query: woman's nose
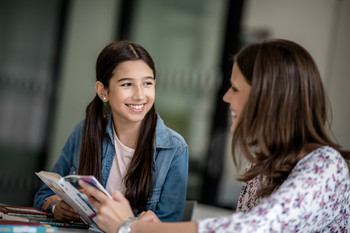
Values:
[(225, 97)]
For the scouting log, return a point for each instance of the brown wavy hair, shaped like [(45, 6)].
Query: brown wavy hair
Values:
[(139, 177), (287, 109)]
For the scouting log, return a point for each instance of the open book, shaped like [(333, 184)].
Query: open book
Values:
[(69, 190)]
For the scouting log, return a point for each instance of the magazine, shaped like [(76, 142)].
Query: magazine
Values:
[(69, 190)]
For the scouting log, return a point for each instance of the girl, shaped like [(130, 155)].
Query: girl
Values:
[(298, 177), (123, 141)]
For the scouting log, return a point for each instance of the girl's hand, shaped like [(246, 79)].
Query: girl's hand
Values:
[(50, 200), (111, 213), (64, 212), (148, 216)]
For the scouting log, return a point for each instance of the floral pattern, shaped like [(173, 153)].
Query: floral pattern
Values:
[(247, 199), (314, 198)]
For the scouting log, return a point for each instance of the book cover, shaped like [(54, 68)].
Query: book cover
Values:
[(18, 226), (69, 190)]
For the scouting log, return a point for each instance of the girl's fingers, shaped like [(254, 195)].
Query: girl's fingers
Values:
[(64, 212), (49, 201), (46, 205), (65, 207)]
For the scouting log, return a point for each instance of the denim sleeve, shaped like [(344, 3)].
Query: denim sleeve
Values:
[(172, 199), (63, 166)]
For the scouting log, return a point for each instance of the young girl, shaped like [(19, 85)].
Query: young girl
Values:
[(123, 141), (298, 177)]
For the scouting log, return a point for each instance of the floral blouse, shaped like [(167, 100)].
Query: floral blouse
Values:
[(314, 198), (247, 199)]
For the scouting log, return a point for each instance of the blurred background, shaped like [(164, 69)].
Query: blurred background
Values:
[(48, 50)]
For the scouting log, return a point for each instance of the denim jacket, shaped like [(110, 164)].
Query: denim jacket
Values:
[(167, 199)]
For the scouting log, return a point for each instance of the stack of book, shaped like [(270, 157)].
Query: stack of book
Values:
[(29, 219)]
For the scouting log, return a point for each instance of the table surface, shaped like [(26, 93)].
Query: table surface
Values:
[(74, 230)]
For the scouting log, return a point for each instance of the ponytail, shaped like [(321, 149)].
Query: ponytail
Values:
[(139, 177), (91, 146)]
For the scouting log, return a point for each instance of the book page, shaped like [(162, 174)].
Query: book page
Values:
[(51, 183), (50, 175)]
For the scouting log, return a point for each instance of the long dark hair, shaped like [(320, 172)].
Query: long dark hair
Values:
[(139, 177), (287, 109)]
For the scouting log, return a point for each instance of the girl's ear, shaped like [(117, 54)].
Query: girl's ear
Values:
[(101, 91)]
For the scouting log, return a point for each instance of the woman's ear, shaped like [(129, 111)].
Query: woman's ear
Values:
[(101, 91)]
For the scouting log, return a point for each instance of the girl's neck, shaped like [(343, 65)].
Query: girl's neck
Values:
[(127, 133)]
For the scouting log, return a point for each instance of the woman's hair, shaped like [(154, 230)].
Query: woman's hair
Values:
[(139, 176), (287, 109)]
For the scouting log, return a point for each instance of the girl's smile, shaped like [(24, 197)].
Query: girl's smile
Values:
[(136, 107)]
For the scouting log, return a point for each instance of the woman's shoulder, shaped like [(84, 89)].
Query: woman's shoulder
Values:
[(321, 161), (321, 154)]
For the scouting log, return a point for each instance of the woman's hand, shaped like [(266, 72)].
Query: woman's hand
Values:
[(50, 200), (148, 216), (111, 213), (64, 212)]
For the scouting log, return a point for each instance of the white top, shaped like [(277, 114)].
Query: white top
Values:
[(121, 162), (314, 198)]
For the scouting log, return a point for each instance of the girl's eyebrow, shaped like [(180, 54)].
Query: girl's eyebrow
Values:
[(130, 79), (124, 79)]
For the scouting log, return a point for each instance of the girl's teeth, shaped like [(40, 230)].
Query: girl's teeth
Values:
[(137, 107)]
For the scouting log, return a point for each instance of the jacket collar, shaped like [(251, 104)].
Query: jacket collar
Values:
[(109, 128), (164, 137)]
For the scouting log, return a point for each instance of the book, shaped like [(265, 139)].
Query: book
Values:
[(19, 226), (56, 223), (69, 190), (23, 211), (48, 221)]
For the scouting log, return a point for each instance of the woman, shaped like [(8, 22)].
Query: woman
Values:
[(123, 141), (300, 176)]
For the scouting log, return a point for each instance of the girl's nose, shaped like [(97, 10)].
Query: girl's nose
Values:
[(138, 93)]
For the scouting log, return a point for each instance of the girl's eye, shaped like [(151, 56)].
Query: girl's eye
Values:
[(148, 83), (126, 85)]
